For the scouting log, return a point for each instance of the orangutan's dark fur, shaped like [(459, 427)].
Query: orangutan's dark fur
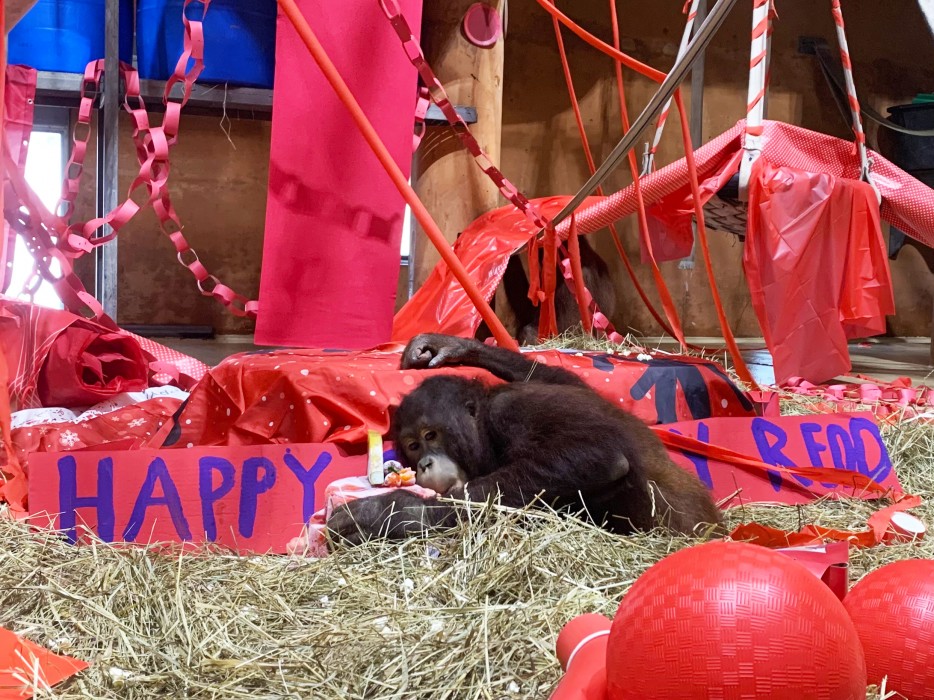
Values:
[(544, 433), (516, 287)]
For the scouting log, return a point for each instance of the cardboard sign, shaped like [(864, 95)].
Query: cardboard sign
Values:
[(257, 498), (849, 442), (24, 665), (251, 499)]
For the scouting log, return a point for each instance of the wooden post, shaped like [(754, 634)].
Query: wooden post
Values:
[(14, 11), (445, 175)]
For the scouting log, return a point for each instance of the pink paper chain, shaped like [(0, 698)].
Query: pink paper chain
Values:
[(152, 149)]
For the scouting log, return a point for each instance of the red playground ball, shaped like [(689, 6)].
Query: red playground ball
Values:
[(731, 621), (893, 610)]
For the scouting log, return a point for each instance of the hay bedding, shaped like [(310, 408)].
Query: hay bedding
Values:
[(467, 615)]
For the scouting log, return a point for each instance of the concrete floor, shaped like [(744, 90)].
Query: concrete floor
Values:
[(884, 359), (211, 352), (881, 358)]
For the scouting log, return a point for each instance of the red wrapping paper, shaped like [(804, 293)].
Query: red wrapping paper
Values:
[(86, 365), (313, 396), (58, 359), (123, 429)]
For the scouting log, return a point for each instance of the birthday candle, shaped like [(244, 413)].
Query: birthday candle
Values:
[(374, 467)]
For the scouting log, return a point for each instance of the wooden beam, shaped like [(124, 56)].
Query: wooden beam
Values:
[(15, 10), (445, 175)]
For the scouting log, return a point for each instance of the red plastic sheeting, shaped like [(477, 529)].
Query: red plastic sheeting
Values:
[(816, 265), (484, 247), (671, 218), (18, 105), (907, 202), (441, 305), (58, 359), (336, 396), (334, 218)]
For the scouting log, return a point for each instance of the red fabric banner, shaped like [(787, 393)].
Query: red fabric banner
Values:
[(334, 219)]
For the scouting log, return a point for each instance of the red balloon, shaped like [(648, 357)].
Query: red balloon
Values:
[(730, 620), (893, 610)]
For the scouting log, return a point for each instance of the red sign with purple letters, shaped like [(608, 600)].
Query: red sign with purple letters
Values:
[(257, 498)]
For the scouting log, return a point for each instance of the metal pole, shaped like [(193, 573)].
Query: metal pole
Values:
[(678, 73), (697, 116), (697, 85), (105, 282), (412, 243)]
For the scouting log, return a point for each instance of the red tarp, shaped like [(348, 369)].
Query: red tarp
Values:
[(333, 218), (907, 202), (856, 286), (440, 305)]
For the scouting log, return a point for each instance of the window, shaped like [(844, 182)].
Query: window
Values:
[(407, 232), (408, 263), (45, 168)]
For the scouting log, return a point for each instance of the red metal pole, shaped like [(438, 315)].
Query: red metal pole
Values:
[(399, 180)]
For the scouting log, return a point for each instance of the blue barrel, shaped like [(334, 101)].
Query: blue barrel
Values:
[(239, 40), (65, 35)]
